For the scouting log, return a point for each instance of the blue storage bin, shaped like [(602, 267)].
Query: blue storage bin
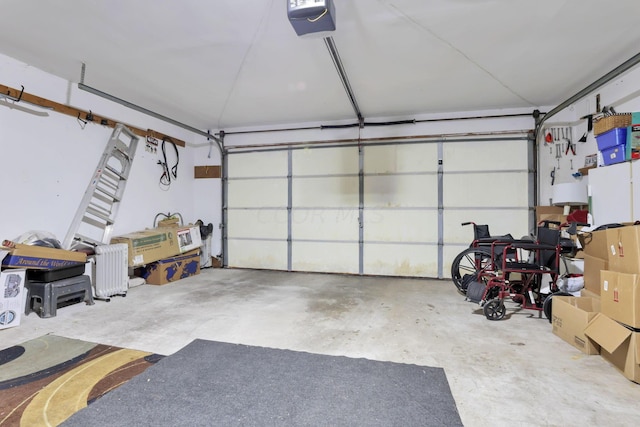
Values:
[(611, 138), (616, 154)]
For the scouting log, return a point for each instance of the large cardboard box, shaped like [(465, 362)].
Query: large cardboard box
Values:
[(570, 316), (624, 249), (620, 297), (12, 297), (592, 267), (172, 269), (149, 245), (619, 345), (594, 243), (39, 257)]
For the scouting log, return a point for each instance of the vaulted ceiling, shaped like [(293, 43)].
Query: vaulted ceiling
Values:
[(227, 63)]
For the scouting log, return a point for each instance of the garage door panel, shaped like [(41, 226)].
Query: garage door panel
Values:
[(258, 223), (327, 224), (257, 254), (401, 260), (326, 161), (267, 163), (330, 192), (499, 221), (485, 155), (325, 257), (449, 253), (486, 189), (401, 191), (400, 225), (257, 193), (401, 158)]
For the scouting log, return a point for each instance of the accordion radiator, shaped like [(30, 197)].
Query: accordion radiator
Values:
[(111, 270)]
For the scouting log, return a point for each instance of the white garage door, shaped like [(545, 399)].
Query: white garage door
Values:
[(380, 209)]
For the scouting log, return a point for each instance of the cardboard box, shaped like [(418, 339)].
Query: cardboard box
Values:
[(570, 316), (172, 269), (587, 293), (39, 257), (592, 267), (620, 297), (624, 249), (619, 345), (12, 297), (149, 245), (189, 237), (550, 213), (594, 243)]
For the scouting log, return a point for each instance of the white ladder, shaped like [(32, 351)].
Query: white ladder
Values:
[(93, 222)]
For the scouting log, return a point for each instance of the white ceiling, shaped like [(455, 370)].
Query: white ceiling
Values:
[(221, 64)]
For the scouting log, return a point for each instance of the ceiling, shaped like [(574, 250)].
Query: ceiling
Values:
[(227, 64)]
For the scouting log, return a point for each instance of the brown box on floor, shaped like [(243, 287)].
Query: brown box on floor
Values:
[(619, 345), (620, 297), (592, 267), (172, 269), (570, 316)]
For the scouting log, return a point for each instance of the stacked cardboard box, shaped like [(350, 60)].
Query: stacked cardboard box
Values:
[(570, 317), (168, 253), (152, 245), (595, 254), (616, 327)]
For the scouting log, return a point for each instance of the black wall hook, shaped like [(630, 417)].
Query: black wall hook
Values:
[(19, 96)]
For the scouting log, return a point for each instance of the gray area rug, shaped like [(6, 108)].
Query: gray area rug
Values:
[(211, 383)]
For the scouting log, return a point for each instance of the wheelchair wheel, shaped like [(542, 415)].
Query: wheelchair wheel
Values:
[(546, 305), (494, 309), (468, 266)]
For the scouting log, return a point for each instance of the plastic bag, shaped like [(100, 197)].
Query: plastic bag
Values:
[(38, 238)]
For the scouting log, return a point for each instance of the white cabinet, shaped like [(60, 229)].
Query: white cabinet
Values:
[(612, 195)]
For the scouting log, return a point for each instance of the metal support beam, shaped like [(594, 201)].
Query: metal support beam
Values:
[(143, 110), (360, 209), (625, 66), (440, 210), (224, 185), (289, 209), (333, 51)]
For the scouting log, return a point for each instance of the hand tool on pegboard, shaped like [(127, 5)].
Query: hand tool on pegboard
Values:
[(571, 147)]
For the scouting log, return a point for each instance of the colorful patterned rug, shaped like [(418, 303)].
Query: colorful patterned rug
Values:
[(46, 380)]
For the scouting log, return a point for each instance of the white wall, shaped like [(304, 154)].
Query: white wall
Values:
[(46, 162), (622, 93)]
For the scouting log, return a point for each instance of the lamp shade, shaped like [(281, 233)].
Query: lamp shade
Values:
[(573, 193)]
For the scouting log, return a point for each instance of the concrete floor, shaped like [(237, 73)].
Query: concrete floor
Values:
[(513, 372)]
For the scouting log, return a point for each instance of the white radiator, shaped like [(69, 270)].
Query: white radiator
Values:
[(111, 272)]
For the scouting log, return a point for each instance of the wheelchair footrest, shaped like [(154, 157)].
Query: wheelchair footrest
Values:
[(475, 291)]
